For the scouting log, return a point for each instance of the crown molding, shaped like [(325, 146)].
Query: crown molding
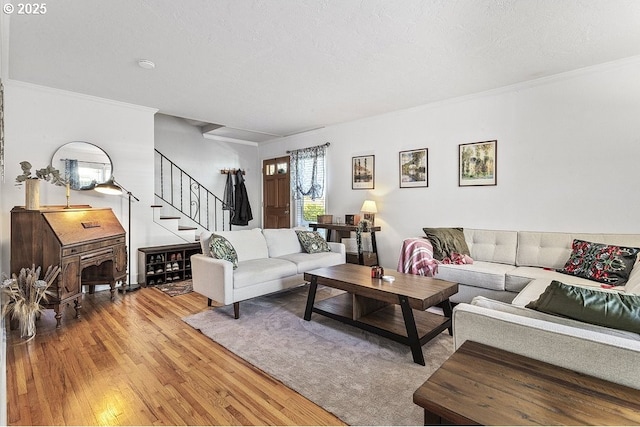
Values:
[(77, 95), (541, 81)]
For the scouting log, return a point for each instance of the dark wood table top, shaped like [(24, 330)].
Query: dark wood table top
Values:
[(341, 227), (484, 385), (422, 292)]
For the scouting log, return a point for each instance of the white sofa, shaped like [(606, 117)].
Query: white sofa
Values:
[(509, 263), (269, 260), (511, 266)]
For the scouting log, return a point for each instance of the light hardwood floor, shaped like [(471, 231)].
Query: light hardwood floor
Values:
[(134, 362)]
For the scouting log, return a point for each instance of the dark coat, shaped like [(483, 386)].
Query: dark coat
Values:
[(242, 209), (228, 202)]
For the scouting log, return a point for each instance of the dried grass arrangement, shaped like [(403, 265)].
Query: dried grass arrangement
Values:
[(25, 292)]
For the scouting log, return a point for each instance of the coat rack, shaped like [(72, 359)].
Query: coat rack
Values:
[(228, 171)]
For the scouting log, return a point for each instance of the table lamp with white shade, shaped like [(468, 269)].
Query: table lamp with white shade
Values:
[(369, 210)]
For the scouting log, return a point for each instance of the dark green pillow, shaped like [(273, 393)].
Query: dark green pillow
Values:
[(610, 309), (445, 241)]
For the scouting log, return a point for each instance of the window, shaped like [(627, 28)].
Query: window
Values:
[(280, 168), (307, 183), (307, 210)]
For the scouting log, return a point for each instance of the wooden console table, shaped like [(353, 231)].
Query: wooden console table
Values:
[(344, 230), (484, 385)]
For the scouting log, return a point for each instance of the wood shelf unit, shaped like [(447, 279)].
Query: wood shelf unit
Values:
[(368, 258), (386, 318), (165, 264)]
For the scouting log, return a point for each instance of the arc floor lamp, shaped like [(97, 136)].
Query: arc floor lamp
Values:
[(113, 187)]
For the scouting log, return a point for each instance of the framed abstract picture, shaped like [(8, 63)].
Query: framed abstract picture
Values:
[(414, 170), (477, 163), (363, 172)]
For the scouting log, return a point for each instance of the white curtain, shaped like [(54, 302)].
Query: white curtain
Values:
[(307, 172)]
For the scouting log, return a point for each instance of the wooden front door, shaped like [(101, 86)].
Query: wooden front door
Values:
[(276, 187)]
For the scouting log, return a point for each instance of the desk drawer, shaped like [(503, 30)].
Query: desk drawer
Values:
[(87, 247)]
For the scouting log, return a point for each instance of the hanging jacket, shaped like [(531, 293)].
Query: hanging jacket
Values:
[(228, 202), (242, 210)]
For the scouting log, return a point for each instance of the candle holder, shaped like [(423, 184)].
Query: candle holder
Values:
[(68, 196)]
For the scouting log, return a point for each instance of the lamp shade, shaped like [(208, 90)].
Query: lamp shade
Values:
[(109, 187), (369, 206)]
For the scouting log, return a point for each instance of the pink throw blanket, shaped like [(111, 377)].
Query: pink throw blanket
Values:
[(416, 257)]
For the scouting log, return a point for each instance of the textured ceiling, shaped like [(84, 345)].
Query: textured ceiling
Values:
[(284, 66)]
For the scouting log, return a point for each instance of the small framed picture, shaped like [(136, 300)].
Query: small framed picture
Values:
[(363, 172), (414, 170), (477, 163)]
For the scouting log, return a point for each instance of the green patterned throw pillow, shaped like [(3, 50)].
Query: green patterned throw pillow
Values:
[(312, 242), (221, 248)]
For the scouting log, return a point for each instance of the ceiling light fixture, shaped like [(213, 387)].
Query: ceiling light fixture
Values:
[(146, 64)]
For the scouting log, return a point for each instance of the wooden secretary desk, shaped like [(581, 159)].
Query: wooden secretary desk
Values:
[(87, 243)]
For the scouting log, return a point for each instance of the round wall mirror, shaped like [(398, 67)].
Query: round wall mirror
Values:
[(83, 164)]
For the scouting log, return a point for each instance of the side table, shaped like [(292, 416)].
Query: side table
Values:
[(484, 385), (344, 230)]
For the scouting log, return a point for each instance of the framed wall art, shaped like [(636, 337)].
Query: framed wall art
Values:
[(363, 172), (477, 163), (414, 170)]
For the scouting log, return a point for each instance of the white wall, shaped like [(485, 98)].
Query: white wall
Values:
[(203, 159), (568, 152), (4, 54), (38, 120)]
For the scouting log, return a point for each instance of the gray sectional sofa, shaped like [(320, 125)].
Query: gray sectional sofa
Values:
[(513, 268), (517, 266), (606, 353)]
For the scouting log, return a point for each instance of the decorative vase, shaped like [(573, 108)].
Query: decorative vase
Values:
[(27, 325), (32, 194)]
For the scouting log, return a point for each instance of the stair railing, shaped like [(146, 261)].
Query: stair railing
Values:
[(184, 193)]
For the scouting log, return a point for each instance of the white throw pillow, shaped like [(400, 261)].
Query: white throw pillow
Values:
[(633, 284), (281, 241), (249, 244), (205, 236)]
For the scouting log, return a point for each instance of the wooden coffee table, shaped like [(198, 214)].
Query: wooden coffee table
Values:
[(484, 385), (392, 309)]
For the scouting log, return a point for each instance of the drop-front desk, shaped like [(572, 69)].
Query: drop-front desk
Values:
[(87, 243)]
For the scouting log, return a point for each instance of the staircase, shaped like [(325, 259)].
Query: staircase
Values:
[(185, 207)]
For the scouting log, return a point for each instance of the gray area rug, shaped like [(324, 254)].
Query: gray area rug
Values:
[(360, 377)]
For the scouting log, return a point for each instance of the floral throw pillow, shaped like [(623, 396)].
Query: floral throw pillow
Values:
[(608, 264), (312, 242), (221, 248)]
